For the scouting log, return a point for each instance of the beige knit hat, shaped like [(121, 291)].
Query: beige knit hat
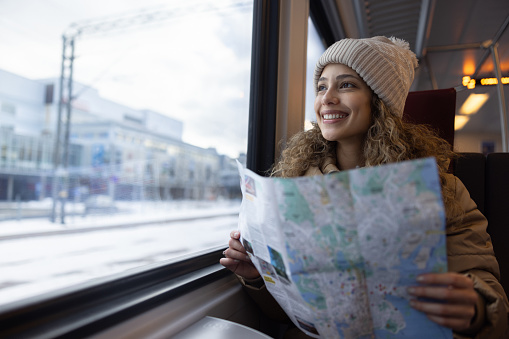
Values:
[(386, 65)]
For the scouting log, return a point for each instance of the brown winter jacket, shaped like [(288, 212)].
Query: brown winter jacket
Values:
[(469, 251)]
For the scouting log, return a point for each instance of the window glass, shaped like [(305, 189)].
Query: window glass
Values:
[(315, 49), (140, 166)]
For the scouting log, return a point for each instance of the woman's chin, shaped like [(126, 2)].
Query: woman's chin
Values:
[(329, 136)]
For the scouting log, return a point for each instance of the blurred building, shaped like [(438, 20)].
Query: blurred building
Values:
[(115, 150)]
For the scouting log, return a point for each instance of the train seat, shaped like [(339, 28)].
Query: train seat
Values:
[(488, 183), (496, 205)]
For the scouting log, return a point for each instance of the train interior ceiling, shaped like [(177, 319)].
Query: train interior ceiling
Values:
[(452, 39)]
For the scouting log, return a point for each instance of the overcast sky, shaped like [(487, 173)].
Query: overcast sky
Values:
[(194, 66)]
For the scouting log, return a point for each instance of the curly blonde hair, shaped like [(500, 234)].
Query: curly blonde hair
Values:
[(388, 140)]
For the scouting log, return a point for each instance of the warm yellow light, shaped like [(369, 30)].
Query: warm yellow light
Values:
[(465, 80), (489, 81), (471, 84), (473, 103), (494, 81), (469, 62), (307, 125), (460, 121)]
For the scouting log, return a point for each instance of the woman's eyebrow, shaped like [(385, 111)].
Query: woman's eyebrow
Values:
[(341, 77)]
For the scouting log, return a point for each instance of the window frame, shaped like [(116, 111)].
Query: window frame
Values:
[(96, 305)]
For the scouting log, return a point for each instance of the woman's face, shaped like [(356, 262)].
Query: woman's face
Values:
[(343, 105)]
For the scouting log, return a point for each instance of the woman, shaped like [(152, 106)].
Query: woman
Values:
[(361, 87)]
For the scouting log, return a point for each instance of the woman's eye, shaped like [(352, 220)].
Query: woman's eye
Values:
[(347, 85), (321, 88)]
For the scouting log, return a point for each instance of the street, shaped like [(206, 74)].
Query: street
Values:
[(31, 265)]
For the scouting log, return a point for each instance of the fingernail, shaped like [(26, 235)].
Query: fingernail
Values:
[(411, 290), (235, 260), (420, 278), (236, 234), (224, 252), (247, 257), (412, 303)]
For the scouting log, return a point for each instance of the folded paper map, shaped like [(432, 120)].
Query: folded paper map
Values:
[(339, 251)]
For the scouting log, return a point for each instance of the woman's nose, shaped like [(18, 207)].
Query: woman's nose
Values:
[(329, 98)]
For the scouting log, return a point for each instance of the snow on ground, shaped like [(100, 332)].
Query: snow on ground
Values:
[(129, 212), (30, 266)]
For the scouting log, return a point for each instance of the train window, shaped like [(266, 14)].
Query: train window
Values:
[(120, 124)]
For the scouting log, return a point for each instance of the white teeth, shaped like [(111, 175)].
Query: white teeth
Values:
[(334, 116)]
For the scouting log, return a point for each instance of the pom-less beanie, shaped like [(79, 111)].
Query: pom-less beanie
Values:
[(386, 65)]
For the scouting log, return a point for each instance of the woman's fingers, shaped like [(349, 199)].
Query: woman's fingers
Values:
[(449, 287), (454, 323), (229, 263), (234, 242), (236, 245), (235, 250), (450, 279), (444, 310), (450, 299), (460, 296), (234, 254), (236, 258), (243, 268)]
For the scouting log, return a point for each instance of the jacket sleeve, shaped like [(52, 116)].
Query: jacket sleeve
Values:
[(470, 252), (257, 290)]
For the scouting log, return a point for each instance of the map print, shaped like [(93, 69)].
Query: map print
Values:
[(348, 245)]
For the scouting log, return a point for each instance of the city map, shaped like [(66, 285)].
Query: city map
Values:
[(339, 251)]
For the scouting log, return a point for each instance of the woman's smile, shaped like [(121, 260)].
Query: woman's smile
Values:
[(330, 117)]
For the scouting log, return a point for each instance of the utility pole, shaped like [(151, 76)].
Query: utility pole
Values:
[(61, 151), (141, 18)]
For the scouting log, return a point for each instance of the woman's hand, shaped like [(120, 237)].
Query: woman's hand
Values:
[(455, 299), (237, 260)]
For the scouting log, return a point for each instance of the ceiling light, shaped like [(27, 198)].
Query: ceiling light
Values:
[(494, 81), (460, 121), (473, 103), (467, 82)]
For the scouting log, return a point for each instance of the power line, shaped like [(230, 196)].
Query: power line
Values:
[(105, 26)]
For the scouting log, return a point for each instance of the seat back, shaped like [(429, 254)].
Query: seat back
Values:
[(487, 182), (435, 108), (470, 169), (497, 209)]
